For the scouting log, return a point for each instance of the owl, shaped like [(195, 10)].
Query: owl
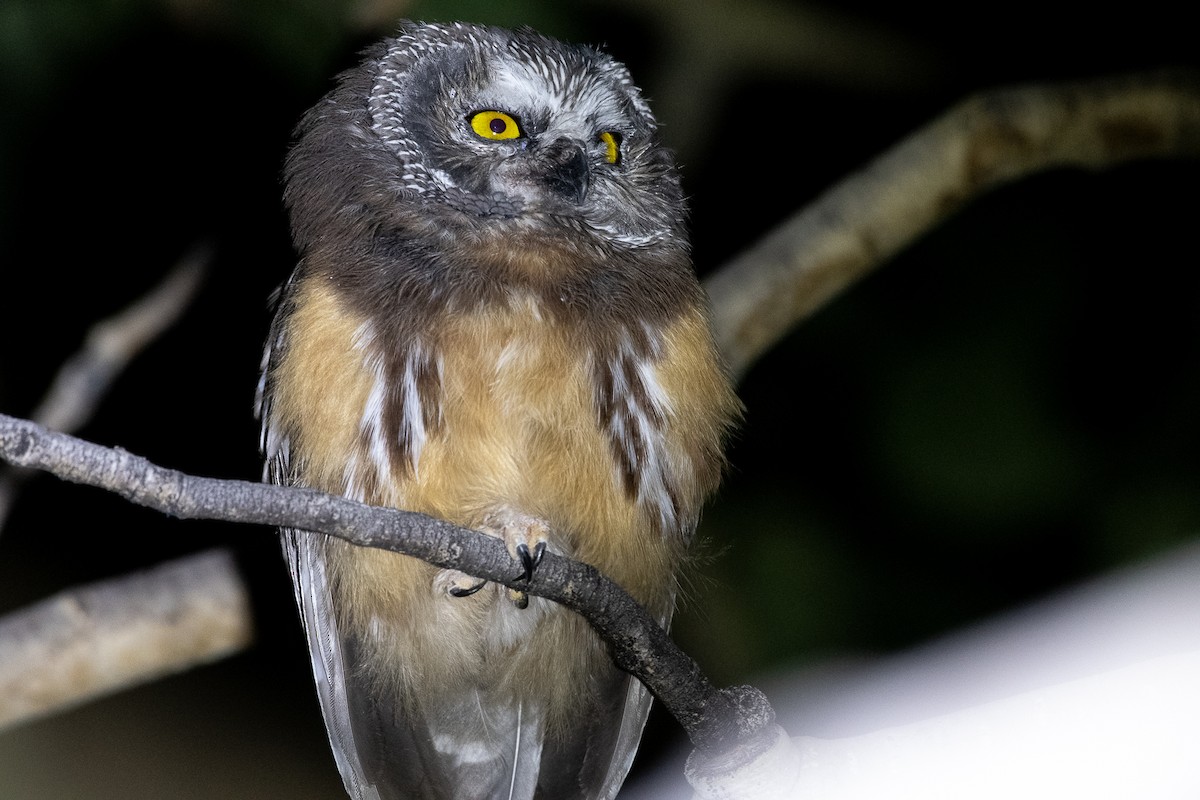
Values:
[(494, 320)]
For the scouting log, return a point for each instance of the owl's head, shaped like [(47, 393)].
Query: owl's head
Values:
[(475, 131)]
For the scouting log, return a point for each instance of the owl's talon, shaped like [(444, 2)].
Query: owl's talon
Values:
[(529, 561), (456, 583), (465, 591), (518, 598), (524, 535)]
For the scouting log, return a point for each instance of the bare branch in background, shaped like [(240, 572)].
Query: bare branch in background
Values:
[(98, 639), (987, 141), (84, 380)]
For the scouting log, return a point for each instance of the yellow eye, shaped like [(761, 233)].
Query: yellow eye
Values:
[(494, 125), (612, 146)]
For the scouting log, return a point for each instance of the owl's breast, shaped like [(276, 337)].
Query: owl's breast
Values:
[(611, 437), (518, 428)]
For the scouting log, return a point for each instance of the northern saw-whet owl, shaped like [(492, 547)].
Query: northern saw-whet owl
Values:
[(494, 320)]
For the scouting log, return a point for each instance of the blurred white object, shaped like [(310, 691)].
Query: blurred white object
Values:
[(1092, 693)]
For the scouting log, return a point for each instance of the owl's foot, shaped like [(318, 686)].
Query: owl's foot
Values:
[(456, 584), (529, 562), (526, 538)]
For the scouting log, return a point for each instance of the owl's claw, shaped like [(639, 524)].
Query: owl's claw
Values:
[(465, 591), (529, 561), (456, 584), (517, 531), (525, 537)]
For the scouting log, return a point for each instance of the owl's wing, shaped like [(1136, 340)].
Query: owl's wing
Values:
[(633, 720), (388, 753), (608, 752), (307, 562), (305, 556), (592, 762), (376, 751), (385, 752)]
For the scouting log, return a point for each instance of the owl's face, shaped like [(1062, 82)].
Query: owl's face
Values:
[(510, 129)]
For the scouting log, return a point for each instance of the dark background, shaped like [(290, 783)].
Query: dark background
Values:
[(1005, 409)]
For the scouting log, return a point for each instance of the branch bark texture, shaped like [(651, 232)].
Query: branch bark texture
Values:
[(986, 141)]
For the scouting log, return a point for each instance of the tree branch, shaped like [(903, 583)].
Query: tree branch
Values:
[(988, 140), (97, 639), (713, 718)]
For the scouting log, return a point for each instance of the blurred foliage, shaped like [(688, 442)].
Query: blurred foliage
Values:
[(1007, 408)]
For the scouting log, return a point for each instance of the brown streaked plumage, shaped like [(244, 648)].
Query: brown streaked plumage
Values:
[(495, 323)]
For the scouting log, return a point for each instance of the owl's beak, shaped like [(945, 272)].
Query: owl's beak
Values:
[(567, 171)]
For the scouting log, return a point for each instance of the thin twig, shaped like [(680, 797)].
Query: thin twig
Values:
[(85, 378)]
